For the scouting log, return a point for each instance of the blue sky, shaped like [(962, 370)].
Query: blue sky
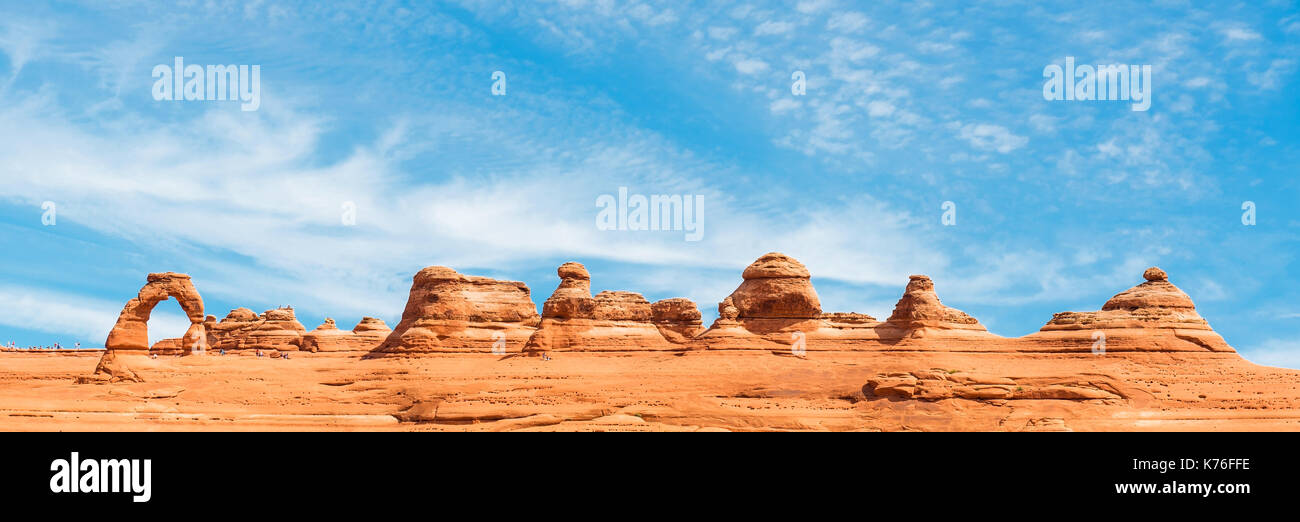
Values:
[(389, 106)]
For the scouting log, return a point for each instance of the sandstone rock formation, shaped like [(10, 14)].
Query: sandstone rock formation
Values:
[(113, 368), (920, 308), (573, 297), (1145, 361), (132, 332), (572, 319), (170, 346), (366, 336), (775, 300), (938, 384), (326, 337), (447, 311), (776, 286), (1152, 316), (372, 327), (678, 319), (776, 308), (919, 316), (129, 337), (275, 329)]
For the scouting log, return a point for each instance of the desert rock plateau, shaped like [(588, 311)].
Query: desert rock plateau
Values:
[(473, 354)]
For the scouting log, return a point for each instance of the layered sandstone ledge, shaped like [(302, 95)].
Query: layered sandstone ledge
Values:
[(773, 360), (276, 329), (861, 390), (365, 336), (775, 308), (574, 320), (450, 312), (1153, 316)]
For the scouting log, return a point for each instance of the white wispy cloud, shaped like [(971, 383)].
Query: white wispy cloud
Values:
[(722, 33), (21, 40), (1240, 34), (1270, 78), (987, 136), (848, 22), (245, 184), (769, 28), (813, 6), (1284, 353), (63, 313), (751, 66)]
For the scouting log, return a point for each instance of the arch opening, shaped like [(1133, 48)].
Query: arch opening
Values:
[(131, 333)]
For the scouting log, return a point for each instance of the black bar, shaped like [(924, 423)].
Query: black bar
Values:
[(446, 469)]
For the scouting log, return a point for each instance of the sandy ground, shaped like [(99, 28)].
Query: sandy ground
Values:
[(692, 391)]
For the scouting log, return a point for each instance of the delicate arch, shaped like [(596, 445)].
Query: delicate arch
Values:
[(132, 330)]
